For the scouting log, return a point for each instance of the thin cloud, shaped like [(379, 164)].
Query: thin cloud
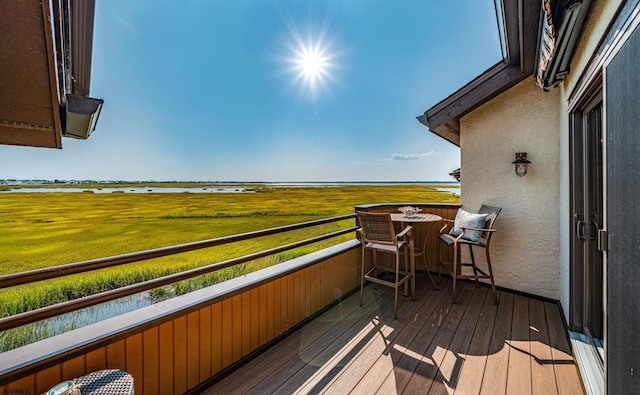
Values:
[(413, 156), (127, 25), (405, 157)]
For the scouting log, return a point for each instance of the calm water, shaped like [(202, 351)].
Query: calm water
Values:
[(131, 190), (455, 191), (90, 315), (215, 189)]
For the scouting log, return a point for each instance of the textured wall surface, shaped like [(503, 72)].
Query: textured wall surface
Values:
[(525, 249)]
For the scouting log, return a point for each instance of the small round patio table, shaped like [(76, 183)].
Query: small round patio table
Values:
[(417, 218)]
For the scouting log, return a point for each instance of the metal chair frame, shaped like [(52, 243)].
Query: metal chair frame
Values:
[(378, 235), (457, 241)]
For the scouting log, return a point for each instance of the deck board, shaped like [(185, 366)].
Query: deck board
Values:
[(494, 379), (563, 361), (378, 346), (413, 353), (472, 347), (423, 377), (543, 378), (472, 370), (320, 330), (519, 377), (387, 362), (449, 370)]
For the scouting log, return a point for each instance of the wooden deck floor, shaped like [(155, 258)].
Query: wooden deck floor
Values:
[(472, 347)]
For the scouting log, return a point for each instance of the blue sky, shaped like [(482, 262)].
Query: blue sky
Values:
[(215, 90)]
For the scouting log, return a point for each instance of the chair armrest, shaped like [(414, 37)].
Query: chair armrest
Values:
[(464, 229), (446, 224), (406, 230), (480, 229)]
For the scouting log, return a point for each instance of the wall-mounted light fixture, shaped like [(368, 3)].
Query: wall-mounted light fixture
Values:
[(82, 114), (521, 163)]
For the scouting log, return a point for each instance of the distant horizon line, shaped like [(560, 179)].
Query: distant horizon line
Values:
[(59, 181)]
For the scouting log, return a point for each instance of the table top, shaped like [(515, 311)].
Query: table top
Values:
[(399, 217)]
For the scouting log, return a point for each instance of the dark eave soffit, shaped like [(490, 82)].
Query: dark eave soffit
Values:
[(29, 107), (521, 33), (45, 55)]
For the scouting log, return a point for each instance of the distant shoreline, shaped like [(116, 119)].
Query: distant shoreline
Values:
[(153, 182), (164, 187), (43, 181)]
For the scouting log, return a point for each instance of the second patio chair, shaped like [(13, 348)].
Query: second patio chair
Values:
[(470, 229), (378, 235)]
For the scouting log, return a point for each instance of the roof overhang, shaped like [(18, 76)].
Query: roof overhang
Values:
[(518, 23), (560, 25), (45, 58)]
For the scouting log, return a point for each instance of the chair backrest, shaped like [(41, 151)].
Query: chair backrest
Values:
[(492, 214), (377, 227)]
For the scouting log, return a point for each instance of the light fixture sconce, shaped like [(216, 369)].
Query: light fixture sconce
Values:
[(521, 163)]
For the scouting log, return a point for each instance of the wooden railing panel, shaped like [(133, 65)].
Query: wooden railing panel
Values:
[(176, 355), (97, 360), (46, 376), (193, 349), (281, 313), (133, 359), (150, 359), (74, 367), (165, 349), (246, 323), (271, 325), (116, 355), (24, 384), (205, 343), (216, 338), (255, 319), (179, 355), (236, 335)]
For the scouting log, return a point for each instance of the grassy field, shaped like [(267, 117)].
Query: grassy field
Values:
[(48, 229)]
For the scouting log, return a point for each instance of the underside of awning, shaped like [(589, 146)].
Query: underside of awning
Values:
[(45, 58)]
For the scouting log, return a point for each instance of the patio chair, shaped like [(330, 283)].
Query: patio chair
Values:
[(378, 235), (474, 230)]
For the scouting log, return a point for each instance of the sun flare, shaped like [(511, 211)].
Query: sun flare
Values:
[(312, 60), (312, 63)]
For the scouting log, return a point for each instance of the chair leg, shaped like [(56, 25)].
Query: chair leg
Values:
[(395, 303), (473, 265), (406, 265), (454, 273), (412, 272), (374, 259), (439, 259), (493, 285), (362, 278)]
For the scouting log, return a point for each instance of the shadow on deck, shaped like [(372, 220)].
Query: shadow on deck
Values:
[(474, 346)]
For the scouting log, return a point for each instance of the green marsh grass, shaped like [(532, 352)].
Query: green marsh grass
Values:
[(49, 229)]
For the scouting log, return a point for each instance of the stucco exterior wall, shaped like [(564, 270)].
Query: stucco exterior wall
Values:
[(600, 16), (525, 250)]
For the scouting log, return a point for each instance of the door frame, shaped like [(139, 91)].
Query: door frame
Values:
[(591, 80), (592, 95)]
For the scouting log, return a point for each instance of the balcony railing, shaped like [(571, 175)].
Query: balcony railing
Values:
[(190, 340)]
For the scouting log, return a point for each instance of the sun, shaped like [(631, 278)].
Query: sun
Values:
[(312, 59), (312, 64)]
